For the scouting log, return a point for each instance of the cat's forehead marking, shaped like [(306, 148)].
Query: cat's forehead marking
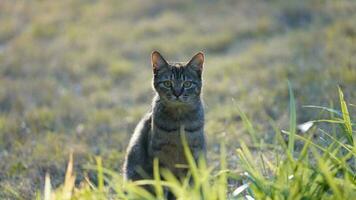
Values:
[(177, 72), (177, 64)]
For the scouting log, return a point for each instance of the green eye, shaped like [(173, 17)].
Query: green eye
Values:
[(187, 84), (167, 83)]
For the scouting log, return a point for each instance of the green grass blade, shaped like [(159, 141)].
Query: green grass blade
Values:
[(325, 171), (292, 120), (325, 108), (188, 155), (346, 117), (135, 191), (47, 188), (338, 142), (100, 173), (157, 178), (248, 125), (222, 178)]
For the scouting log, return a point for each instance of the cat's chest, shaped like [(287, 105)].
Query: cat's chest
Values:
[(167, 146), (172, 138), (165, 141)]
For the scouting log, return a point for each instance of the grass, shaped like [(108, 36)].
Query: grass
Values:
[(75, 77), (318, 171)]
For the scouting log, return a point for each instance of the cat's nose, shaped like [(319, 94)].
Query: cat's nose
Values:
[(177, 92)]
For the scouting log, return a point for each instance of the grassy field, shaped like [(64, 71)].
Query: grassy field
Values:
[(75, 77)]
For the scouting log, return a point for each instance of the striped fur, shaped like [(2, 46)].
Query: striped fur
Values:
[(176, 104)]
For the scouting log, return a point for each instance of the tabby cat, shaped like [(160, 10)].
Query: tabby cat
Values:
[(177, 105)]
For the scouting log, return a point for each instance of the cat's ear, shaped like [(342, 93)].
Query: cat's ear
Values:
[(197, 62), (157, 61)]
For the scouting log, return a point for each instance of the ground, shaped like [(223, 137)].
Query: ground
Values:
[(76, 75)]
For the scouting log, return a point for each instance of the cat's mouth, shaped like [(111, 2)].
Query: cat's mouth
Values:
[(179, 99)]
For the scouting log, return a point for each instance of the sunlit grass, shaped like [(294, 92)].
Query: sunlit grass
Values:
[(314, 172), (76, 75)]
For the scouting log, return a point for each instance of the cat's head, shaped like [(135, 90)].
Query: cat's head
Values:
[(177, 83)]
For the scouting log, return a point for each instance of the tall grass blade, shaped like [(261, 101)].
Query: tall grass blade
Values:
[(137, 192), (346, 117), (292, 120), (69, 179), (337, 141), (157, 178), (325, 171), (188, 155), (47, 188), (100, 173), (325, 108), (222, 178), (248, 125)]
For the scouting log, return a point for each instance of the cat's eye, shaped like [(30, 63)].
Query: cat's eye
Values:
[(167, 83), (187, 84)]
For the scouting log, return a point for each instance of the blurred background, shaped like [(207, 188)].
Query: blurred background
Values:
[(76, 75)]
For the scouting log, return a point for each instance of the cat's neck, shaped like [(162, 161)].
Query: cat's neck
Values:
[(176, 111)]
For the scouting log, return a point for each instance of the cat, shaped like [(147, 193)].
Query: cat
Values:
[(177, 108)]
